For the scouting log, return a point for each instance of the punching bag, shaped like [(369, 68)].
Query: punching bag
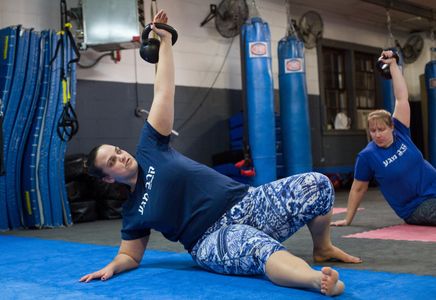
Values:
[(388, 95), (259, 94), (430, 84), (294, 109)]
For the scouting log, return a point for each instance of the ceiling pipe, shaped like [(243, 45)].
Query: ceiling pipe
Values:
[(406, 7)]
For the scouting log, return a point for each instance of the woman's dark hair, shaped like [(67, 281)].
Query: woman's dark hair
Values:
[(91, 168)]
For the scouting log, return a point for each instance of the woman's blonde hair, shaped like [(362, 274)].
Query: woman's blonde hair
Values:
[(380, 115)]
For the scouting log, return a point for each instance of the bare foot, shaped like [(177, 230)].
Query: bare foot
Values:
[(334, 254), (330, 283)]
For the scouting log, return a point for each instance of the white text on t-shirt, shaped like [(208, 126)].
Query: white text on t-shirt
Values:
[(148, 185), (399, 153)]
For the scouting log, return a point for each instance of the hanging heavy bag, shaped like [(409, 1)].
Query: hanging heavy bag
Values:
[(384, 68), (149, 49), (74, 166), (84, 211)]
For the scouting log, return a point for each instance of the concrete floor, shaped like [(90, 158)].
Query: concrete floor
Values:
[(378, 255)]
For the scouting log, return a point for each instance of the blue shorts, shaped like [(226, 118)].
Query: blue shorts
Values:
[(243, 239)]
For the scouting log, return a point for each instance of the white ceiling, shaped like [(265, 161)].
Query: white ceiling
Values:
[(364, 12)]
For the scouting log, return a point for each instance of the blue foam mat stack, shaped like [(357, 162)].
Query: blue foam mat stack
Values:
[(34, 81), (225, 162)]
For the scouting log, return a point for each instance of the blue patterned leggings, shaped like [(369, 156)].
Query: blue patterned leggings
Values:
[(243, 239)]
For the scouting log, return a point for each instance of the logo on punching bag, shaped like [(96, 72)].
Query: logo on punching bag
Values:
[(258, 49), (432, 83), (293, 65)]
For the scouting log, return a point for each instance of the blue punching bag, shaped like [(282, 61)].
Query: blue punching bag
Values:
[(294, 109), (430, 84), (259, 91), (388, 95)]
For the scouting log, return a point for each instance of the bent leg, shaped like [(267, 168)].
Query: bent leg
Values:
[(323, 249), (282, 207), (285, 269)]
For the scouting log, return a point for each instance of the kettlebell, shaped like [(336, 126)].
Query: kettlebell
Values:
[(384, 68), (149, 49)]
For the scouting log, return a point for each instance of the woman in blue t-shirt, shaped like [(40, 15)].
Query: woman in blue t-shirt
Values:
[(226, 226), (406, 179)]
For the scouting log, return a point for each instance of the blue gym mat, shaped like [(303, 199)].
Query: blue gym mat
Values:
[(8, 42), (33, 268), (17, 87), (32, 101), (20, 129), (33, 214)]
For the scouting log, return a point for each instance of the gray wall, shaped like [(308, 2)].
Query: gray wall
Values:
[(106, 114)]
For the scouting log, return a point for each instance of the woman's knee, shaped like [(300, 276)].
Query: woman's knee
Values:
[(326, 192)]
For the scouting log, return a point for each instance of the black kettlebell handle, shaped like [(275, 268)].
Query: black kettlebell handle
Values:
[(147, 30), (384, 68), (395, 55), (149, 50)]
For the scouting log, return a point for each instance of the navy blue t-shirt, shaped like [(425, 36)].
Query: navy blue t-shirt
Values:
[(175, 195), (406, 179)]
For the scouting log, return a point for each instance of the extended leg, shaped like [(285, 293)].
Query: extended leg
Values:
[(244, 250), (288, 270)]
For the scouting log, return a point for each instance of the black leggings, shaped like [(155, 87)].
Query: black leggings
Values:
[(424, 214)]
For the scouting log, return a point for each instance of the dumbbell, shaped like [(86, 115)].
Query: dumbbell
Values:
[(149, 49), (384, 68)]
